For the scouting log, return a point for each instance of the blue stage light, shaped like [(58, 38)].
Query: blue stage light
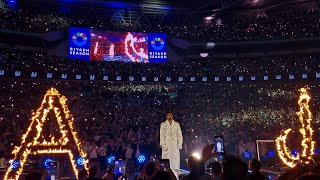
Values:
[(12, 2), (111, 159), (294, 153), (316, 151), (80, 161), (47, 161), (247, 155), (271, 153), (118, 5), (141, 158), (15, 164)]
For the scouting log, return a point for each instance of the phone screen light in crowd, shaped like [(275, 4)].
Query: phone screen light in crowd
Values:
[(15, 164), (46, 162), (196, 155), (80, 161), (141, 158), (247, 155), (111, 159)]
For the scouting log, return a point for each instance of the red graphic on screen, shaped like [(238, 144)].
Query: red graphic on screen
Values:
[(119, 46)]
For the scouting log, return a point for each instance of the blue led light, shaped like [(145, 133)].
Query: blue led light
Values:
[(294, 153), (111, 159), (80, 161), (47, 161), (12, 2), (247, 155), (15, 164), (118, 5), (271, 153), (142, 158)]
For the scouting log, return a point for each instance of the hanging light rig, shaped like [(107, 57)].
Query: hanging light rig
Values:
[(33, 142), (305, 118)]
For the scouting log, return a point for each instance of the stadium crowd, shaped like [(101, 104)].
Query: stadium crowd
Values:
[(12, 60), (275, 26), (123, 119), (228, 107), (123, 115)]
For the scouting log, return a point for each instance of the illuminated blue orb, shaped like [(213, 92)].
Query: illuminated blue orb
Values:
[(111, 159), (80, 161), (47, 161), (142, 158), (294, 153), (271, 153), (247, 155), (15, 164)]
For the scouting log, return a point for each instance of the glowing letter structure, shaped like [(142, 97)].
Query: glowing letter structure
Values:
[(305, 118), (33, 141)]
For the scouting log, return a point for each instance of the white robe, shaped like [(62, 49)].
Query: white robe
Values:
[(171, 142)]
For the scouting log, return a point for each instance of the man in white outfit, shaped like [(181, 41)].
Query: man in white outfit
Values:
[(171, 142)]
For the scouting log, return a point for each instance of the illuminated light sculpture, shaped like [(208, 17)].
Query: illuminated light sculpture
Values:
[(33, 141), (305, 118)]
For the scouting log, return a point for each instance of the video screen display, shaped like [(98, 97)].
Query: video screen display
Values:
[(101, 45)]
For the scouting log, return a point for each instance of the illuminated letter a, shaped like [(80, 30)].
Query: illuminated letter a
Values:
[(34, 143)]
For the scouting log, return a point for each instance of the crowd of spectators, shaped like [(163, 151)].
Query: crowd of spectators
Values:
[(275, 26), (115, 114), (123, 118), (229, 169), (12, 60), (29, 21)]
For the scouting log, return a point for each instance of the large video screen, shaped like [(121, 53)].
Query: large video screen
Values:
[(101, 45)]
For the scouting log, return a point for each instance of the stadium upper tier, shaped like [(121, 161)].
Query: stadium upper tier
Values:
[(273, 27)]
